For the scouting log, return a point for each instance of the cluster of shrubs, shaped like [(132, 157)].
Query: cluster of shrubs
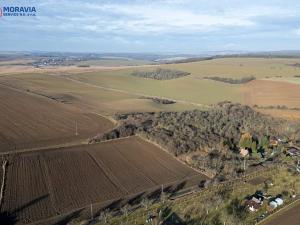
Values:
[(215, 132), (282, 107), (160, 74), (188, 60), (243, 80), (295, 64), (161, 100)]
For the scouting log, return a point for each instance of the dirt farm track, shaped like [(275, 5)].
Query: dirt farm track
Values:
[(44, 184)]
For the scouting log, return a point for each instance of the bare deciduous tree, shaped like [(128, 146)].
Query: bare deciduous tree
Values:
[(105, 216), (125, 209), (146, 203)]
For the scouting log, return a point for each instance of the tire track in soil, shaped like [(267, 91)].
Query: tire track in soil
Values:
[(114, 181), (135, 167), (163, 163), (139, 167), (49, 184), (174, 175)]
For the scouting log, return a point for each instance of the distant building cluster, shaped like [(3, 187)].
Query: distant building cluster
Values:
[(57, 61)]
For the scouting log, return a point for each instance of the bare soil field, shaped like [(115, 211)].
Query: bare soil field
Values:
[(26, 195), (290, 216), (29, 121), (286, 114), (272, 93), (49, 183)]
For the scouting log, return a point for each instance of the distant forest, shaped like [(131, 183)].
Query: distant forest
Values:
[(243, 80)]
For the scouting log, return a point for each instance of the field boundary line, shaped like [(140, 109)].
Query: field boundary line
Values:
[(58, 146), (161, 162), (174, 157), (137, 168), (81, 142), (110, 118), (106, 174), (3, 182)]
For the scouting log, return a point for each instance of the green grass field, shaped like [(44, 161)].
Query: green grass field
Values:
[(239, 67), (190, 88), (194, 88)]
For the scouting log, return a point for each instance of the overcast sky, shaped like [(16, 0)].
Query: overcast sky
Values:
[(183, 26)]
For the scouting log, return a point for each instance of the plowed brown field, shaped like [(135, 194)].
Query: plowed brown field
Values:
[(29, 121), (44, 184), (272, 93)]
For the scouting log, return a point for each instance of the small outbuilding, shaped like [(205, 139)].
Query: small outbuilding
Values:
[(276, 202), (279, 201), (273, 204)]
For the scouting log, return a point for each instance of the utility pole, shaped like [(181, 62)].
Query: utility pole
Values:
[(92, 217), (76, 129), (162, 195)]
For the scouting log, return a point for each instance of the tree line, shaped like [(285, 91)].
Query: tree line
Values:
[(160, 74)]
